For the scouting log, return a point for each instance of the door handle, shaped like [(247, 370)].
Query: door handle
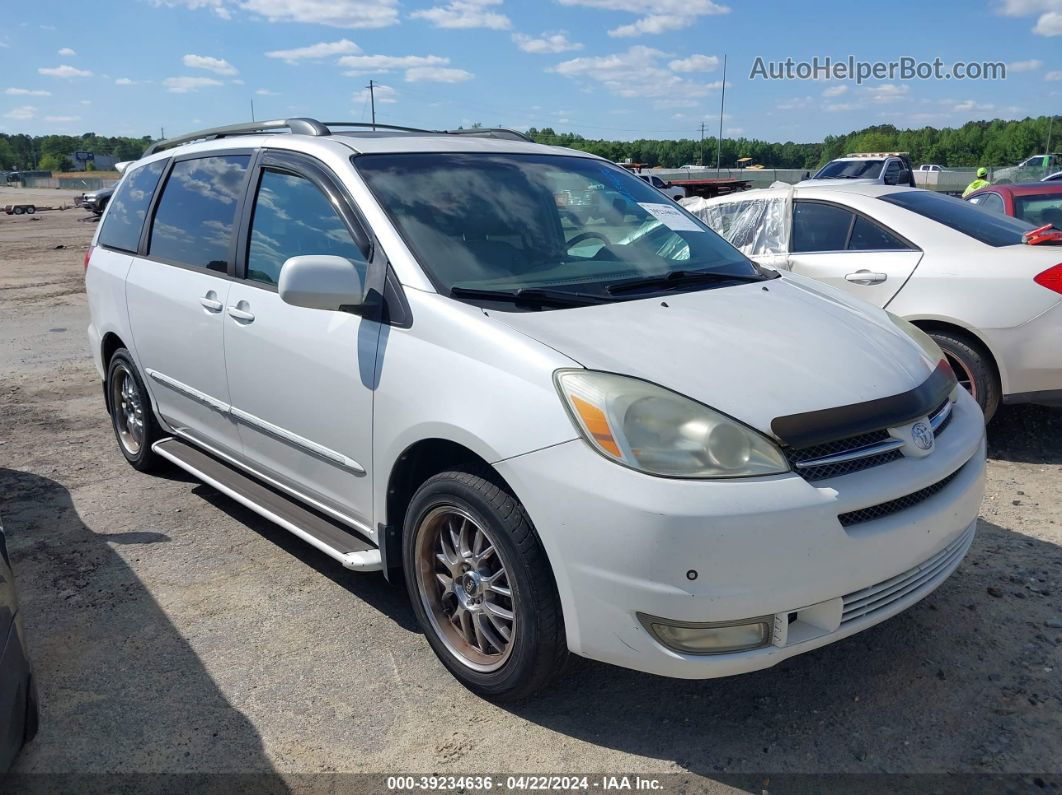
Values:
[(865, 277), (239, 314), (211, 302)]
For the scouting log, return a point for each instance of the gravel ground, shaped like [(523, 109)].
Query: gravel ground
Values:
[(173, 631)]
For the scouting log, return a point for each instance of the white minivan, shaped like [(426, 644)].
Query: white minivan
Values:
[(590, 427)]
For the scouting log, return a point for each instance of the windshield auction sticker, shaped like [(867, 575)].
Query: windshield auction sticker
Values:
[(671, 217)]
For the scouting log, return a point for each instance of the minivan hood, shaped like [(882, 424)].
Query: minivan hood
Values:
[(754, 351)]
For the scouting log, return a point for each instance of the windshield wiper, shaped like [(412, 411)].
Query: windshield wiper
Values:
[(532, 295), (680, 278)]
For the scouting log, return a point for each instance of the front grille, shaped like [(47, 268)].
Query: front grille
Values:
[(851, 444), (868, 601), (895, 506), (835, 448)]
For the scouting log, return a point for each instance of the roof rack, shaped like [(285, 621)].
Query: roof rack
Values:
[(306, 126), (302, 126)]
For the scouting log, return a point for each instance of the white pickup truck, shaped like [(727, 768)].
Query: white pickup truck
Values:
[(881, 168), (673, 192)]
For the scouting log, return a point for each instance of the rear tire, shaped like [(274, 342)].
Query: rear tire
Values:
[(31, 210), (18, 210), (132, 417), (481, 585), (973, 367)]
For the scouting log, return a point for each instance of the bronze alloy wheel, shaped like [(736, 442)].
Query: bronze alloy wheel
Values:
[(464, 588)]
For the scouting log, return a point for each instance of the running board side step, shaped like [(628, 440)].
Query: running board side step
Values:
[(335, 540)]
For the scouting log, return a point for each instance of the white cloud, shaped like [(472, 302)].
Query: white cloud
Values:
[(840, 107), (887, 92), (835, 91), (66, 52), (1048, 13), (969, 104), (60, 119), (185, 85), (333, 13), (63, 71), (637, 73), (1024, 66), (385, 95), (660, 15), (546, 43), (1054, 74), (322, 49), (695, 63), (465, 14), (27, 92), (361, 64), (124, 81), (217, 65), (21, 113), (1049, 24), (219, 7), (265, 92), (436, 74), (734, 130), (796, 103)]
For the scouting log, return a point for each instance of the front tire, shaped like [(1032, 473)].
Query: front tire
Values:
[(973, 367), (481, 586), (132, 418)]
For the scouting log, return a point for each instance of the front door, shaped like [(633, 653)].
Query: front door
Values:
[(300, 380), (176, 295), (847, 250)]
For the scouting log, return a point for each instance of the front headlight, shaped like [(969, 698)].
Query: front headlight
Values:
[(659, 432), (925, 342)]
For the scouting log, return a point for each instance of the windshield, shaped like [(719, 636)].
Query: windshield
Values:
[(851, 169), (1040, 209), (530, 222), (977, 222)]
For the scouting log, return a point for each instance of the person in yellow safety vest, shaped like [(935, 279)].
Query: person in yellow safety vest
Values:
[(978, 183)]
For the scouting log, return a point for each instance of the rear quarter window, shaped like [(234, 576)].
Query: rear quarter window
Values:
[(125, 218), (983, 225)]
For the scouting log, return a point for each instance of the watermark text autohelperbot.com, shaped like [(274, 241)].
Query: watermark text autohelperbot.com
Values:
[(904, 68)]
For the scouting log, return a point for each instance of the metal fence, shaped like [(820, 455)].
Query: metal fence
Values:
[(69, 183), (950, 180)]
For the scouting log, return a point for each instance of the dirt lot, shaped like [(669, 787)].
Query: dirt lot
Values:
[(172, 630)]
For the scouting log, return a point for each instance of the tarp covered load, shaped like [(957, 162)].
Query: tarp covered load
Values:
[(758, 225)]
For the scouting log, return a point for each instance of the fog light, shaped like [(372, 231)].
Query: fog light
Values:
[(714, 637)]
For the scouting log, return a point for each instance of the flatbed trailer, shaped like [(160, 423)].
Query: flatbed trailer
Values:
[(710, 188), (29, 209)]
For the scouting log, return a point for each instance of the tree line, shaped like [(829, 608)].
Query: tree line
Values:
[(22, 152), (989, 143)]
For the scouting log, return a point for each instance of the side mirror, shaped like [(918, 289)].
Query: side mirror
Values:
[(668, 184), (320, 281)]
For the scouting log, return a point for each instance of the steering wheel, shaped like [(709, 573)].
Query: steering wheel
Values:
[(575, 241)]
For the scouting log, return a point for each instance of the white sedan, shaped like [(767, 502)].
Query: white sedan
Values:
[(968, 277)]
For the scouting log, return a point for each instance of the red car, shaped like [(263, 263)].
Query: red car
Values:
[(1039, 203)]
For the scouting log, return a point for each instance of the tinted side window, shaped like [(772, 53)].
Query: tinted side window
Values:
[(194, 220), (868, 236), (125, 219), (293, 217), (993, 202), (969, 219), (820, 227)]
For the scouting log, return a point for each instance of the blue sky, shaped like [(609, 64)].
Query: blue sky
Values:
[(603, 68)]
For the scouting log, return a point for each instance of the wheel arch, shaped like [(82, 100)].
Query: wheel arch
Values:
[(110, 343), (930, 324), (414, 465)]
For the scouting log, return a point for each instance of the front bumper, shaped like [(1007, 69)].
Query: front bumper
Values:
[(622, 543)]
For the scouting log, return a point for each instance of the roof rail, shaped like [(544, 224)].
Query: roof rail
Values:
[(306, 126), (299, 125), (493, 132)]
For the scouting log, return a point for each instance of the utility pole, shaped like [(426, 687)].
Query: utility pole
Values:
[(719, 143), (252, 108), (372, 101), (1050, 124), (700, 159)]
